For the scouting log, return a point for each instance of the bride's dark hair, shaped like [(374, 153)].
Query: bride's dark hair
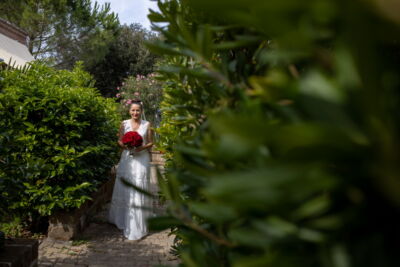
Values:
[(137, 102)]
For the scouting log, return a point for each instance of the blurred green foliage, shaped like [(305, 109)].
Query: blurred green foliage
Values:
[(53, 127), (280, 125)]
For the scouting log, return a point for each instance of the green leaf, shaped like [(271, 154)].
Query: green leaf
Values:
[(313, 207), (215, 212), (162, 223)]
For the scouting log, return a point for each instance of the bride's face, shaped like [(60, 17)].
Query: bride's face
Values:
[(135, 111)]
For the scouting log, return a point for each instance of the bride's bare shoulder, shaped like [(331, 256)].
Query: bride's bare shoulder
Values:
[(148, 123), (123, 123)]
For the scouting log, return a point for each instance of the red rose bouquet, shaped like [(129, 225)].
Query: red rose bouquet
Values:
[(132, 140)]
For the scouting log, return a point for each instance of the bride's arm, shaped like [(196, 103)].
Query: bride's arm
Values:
[(120, 135)]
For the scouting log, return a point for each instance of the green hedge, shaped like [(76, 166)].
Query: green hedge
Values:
[(57, 140)]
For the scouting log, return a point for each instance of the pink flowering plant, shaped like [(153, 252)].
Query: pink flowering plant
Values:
[(146, 89)]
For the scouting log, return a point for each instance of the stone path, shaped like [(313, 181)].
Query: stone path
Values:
[(103, 245)]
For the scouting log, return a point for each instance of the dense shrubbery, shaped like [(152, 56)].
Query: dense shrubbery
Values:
[(57, 140), (280, 122), (146, 89)]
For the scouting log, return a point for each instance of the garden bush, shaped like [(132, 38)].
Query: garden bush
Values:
[(57, 140), (281, 128), (145, 88)]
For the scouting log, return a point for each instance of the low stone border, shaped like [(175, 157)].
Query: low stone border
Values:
[(67, 225), (19, 252)]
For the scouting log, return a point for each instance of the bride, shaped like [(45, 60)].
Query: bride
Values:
[(126, 210)]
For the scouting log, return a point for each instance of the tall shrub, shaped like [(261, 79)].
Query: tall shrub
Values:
[(145, 88), (57, 140), (280, 120)]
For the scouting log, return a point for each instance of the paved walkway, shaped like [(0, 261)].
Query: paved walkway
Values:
[(103, 245)]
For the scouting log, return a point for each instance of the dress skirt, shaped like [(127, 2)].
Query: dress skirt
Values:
[(129, 208)]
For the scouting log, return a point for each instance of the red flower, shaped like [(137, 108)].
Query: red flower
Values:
[(132, 139)]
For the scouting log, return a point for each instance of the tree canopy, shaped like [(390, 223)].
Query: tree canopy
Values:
[(126, 56), (63, 31)]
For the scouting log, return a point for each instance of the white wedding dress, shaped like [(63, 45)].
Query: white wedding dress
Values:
[(129, 208)]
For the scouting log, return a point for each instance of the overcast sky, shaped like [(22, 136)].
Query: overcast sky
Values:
[(130, 11)]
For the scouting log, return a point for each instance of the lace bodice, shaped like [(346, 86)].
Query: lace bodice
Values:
[(142, 130)]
